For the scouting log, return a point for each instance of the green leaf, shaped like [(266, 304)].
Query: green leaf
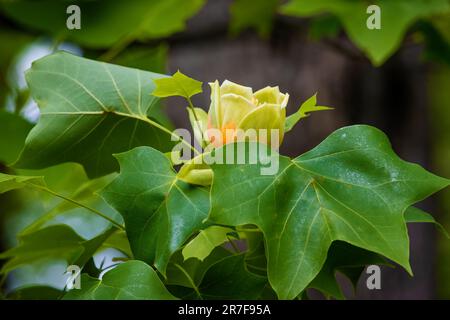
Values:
[(303, 112), (326, 26), (118, 240), (205, 242), (177, 85), (10, 182), (35, 293), (13, 131), (346, 259), (53, 242), (239, 284), (83, 221), (104, 22), (89, 110), (259, 15), (414, 215), (351, 187), (227, 279), (132, 280), (193, 269), (378, 44), (160, 211)]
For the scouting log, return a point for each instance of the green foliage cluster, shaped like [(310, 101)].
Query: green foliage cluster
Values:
[(337, 208)]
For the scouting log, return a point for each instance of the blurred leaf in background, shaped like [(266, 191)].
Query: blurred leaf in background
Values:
[(104, 22), (258, 15), (396, 17)]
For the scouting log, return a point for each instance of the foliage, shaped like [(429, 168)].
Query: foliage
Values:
[(351, 187), (202, 231)]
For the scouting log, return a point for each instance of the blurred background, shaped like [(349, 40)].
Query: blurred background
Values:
[(396, 78)]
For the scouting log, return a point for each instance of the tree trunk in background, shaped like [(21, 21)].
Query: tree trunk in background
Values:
[(392, 98)]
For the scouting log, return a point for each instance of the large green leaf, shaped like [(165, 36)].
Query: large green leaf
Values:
[(132, 280), (396, 17), (105, 22), (89, 110), (351, 187), (159, 210)]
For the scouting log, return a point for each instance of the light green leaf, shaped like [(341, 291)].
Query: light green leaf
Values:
[(132, 280), (414, 215), (303, 112), (205, 242), (13, 131), (259, 15), (83, 221), (378, 44), (351, 187), (177, 85), (196, 171), (10, 182), (58, 241), (160, 211), (89, 110), (105, 22)]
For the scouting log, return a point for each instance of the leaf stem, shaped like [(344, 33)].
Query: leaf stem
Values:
[(78, 204), (162, 128), (188, 277)]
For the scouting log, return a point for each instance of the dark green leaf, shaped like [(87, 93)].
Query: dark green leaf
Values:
[(227, 279), (347, 259), (35, 293), (13, 131), (160, 211), (132, 280)]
